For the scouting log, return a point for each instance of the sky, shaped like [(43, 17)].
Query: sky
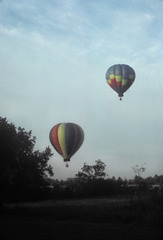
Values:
[(54, 55)]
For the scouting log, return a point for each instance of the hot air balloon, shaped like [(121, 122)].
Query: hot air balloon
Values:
[(66, 138), (120, 77)]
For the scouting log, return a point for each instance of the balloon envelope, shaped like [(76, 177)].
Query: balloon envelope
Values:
[(66, 138), (120, 77)]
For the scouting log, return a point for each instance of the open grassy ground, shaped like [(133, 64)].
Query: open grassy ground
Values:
[(82, 219)]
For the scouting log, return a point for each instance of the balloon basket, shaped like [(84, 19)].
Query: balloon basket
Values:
[(66, 165)]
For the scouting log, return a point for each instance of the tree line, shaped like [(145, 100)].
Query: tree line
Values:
[(25, 173), (90, 183)]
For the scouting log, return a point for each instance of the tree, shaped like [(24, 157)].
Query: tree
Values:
[(21, 166), (92, 172), (138, 170), (141, 183)]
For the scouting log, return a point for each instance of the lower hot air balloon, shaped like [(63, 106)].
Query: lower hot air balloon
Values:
[(66, 138), (120, 77)]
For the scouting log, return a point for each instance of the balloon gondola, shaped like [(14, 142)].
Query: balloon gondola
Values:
[(66, 138), (120, 77)]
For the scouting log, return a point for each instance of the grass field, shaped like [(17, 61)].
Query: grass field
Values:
[(83, 219)]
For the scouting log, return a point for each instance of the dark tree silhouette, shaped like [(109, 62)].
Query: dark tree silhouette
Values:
[(92, 172), (21, 167)]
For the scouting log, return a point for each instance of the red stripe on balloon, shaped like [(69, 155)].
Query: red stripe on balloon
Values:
[(54, 138)]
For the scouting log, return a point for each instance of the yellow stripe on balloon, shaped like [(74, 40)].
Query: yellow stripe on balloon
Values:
[(61, 139), (109, 81), (118, 78), (124, 82), (112, 76)]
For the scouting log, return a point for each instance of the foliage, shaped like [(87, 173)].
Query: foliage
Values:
[(138, 170), (109, 187), (92, 172), (21, 167)]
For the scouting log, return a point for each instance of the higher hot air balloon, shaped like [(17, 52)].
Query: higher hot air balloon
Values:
[(120, 77), (66, 138)]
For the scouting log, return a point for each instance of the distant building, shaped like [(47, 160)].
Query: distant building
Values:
[(156, 187)]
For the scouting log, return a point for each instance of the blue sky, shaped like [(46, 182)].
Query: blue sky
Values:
[(54, 55)]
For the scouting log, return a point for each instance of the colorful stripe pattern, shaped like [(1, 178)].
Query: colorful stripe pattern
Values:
[(120, 77), (66, 138)]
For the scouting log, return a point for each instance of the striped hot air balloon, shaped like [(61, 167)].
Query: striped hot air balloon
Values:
[(120, 77), (66, 138)]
